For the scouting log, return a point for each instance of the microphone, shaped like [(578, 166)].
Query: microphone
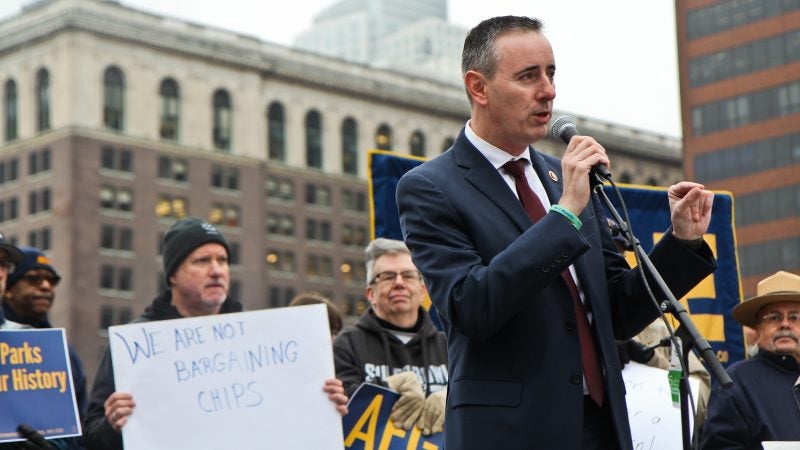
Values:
[(564, 128)]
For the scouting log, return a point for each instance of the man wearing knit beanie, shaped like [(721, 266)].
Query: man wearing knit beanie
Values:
[(183, 237), (195, 257)]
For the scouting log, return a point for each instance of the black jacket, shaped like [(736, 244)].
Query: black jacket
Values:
[(98, 433), (370, 353), (762, 405)]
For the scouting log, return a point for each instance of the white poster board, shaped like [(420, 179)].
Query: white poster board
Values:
[(243, 380), (655, 422)]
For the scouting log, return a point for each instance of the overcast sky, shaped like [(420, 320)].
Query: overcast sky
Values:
[(616, 59)]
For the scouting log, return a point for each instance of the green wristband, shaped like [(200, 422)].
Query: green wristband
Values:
[(573, 219)]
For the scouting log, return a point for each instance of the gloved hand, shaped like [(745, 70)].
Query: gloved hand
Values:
[(409, 406), (637, 351), (431, 420), (35, 441)]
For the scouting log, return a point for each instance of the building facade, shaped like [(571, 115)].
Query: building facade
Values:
[(407, 36), (116, 122), (740, 94)]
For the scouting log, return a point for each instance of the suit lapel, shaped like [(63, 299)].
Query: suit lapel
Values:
[(546, 173), (484, 177)]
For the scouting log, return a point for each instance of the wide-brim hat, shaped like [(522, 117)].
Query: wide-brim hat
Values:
[(781, 287)]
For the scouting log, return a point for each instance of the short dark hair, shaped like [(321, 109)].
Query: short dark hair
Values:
[(335, 319), (479, 52)]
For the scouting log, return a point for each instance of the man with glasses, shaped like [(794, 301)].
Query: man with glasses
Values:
[(395, 343), (764, 402), (28, 297)]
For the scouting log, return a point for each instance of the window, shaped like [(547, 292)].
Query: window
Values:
[(10, 106), (234, 257), (106, 316), (280, 224), (383, 137), (354, 200), (116, 159), (228, 215), (9, 209), (350, 146), (40, 239), (222, 120), (113, 277), (318, 195), (281, 261), (280, 189), (171, 206), (116, 237), (39, 201), (417, 143), (175, 169), (113, 99), (318, 230), (313, 139), (42, 100), (225, 177), (276, 129), (447, 143), (170, 113), (116, 198), (38, 161)]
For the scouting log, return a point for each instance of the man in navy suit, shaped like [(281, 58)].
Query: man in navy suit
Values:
[(532, 304)]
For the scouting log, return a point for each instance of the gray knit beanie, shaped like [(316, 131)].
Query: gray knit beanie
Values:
[(183, 237)]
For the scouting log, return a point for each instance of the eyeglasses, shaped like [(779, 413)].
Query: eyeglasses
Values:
[(8, 266), (390, 276), (777, 318), (37, 278)]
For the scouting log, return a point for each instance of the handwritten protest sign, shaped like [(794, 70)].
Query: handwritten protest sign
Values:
[(244, 380), (36, 384), (367, 425), (655, 422)]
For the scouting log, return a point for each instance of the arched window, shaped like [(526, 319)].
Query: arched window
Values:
[(113, 99), (350, 146), (314, 139), (170, 109), (222, 120), (448, 142), (417, 143), (10, 106), (276, 132), (42, 100), (383, 137)]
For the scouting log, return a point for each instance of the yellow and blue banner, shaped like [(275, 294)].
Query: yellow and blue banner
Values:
[(36, 384), (367, 425), (709, 304)]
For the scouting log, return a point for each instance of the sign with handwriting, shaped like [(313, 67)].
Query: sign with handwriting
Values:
[(655, 422), (241, 380)]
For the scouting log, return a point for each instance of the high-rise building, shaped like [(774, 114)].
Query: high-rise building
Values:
[(115, 122), (740, 94), (399, 35)]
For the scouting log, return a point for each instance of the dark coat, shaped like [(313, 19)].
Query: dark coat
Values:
[(513, 348), (762, 405)]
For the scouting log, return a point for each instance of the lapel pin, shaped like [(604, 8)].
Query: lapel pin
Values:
[(553, 175)]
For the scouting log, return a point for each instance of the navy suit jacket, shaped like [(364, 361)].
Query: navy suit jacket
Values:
[(513, 349)]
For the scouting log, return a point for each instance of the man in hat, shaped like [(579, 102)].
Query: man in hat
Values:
[(764, 402), (195, 256), (9, 256), (30, 291)]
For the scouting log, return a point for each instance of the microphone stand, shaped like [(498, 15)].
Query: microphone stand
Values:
[(690, 337)]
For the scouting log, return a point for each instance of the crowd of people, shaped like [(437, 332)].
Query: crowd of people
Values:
[(540, 310)]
